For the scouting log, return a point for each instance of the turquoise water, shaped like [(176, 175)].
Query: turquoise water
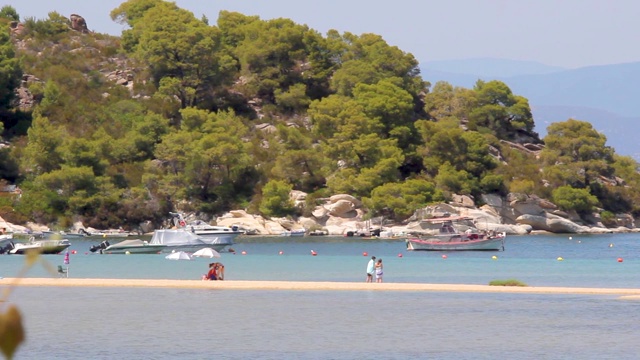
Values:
[(108, 323)]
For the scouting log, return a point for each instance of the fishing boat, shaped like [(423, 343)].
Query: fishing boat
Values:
[(450, 239), (46, 247)]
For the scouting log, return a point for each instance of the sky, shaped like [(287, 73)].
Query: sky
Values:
[(565, 33)]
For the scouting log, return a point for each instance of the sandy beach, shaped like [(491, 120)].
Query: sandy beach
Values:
[(300, 285)]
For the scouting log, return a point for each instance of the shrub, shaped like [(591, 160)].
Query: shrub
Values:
[(509, 282)]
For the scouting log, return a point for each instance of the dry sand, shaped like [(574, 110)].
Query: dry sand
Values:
[(300, 285)]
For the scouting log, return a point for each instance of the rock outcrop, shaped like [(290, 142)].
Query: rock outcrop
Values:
[(78, 23)]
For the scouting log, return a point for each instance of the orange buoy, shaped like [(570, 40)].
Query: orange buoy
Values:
[(74, 252), (281, 252), (365, 254), (400, 255), (244, 252), (619, 259), (314, 253), (444, 256)]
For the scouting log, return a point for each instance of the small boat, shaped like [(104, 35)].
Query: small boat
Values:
[(211, 233), (134, 246), (113, 233), (46, 247), (449, 239), (60, 235), (298, 232), (458, 243)]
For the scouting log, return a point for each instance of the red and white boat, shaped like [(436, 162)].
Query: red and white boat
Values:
[(449, 239)]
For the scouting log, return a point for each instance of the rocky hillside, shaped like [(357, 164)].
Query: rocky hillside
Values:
[(180, 115)]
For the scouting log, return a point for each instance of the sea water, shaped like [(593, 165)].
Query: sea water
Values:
[(132, 323)]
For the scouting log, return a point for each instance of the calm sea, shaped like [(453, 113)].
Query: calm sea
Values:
[(118, 323)]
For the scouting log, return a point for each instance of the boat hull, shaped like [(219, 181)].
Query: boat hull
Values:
[(45, 247), (143, 249), (460, 244)]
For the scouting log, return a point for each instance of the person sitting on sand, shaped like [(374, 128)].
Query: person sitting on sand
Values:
[(212, 275), (220, 271)]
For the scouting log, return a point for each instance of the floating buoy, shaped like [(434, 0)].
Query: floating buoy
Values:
[(560, 258), (444, 256), (86, 253), (127, 252), (314, 253), (74, 252), (281, 252), (400, 255), (611, 245), (494, 257), (570, 238), (244, 252), (365, 254), (619, 259)]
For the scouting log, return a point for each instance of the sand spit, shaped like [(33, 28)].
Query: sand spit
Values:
[(300, 285)]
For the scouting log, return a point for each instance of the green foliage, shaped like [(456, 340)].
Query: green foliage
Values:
[(568, 198), (9, 12), (52, 27), (293, 100), (400, 200), (508, 282), (608, 218), (10, 72), (275, 199), (455, 181), (499, 111)]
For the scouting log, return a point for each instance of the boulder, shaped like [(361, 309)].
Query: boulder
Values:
[(320, 213), (340, 207), (462, 200), (344, 197), (551, 223), (78, 23)]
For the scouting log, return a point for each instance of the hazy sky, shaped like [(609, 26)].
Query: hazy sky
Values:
[(568, 33)]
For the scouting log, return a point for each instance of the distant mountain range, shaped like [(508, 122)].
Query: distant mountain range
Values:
[(606, 96)]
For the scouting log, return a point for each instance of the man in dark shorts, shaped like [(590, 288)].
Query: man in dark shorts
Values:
[(371, 269)]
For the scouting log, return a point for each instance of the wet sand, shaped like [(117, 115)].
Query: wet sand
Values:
[(300, 285)]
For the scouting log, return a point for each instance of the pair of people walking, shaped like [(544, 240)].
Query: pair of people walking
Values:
[(374, 268)]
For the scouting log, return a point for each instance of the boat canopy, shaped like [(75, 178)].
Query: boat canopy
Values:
[(180, 237)]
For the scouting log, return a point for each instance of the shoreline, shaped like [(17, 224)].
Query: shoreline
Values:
[(627, 293)]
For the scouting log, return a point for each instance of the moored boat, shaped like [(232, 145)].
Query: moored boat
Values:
[(297, 232), (450, 239), (134, 246), (213, 234), (458, 243), (46, 247)]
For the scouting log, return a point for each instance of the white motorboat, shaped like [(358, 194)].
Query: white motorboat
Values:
[(45, 247), (297, 232), (215, 235), (134, 246), (163, 240)]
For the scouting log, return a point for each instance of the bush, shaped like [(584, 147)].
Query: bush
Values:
[(569, 198), (509, 282)]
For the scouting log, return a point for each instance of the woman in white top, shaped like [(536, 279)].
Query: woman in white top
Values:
[(379, 271)]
